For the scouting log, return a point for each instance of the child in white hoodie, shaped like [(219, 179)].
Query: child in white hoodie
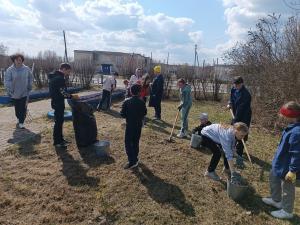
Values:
[(218, 138)]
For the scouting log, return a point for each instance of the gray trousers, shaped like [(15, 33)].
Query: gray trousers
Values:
[(184, 118), (284, 191)]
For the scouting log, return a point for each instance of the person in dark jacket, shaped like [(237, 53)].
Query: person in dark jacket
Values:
[(240, 103), (156, 93), (286, 165), (58, 93), (133, 110), (203, 123)]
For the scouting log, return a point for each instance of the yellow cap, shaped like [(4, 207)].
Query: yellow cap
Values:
[(157, 69)]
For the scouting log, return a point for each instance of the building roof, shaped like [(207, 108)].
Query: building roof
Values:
[(108, 52)]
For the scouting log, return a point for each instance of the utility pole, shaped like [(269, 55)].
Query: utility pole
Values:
[(66, 52), (196, 61), (168, 58), (150, 67), (168, 63)]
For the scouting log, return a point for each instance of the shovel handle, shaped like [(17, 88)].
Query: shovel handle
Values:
[(245, 147), (174, 125)]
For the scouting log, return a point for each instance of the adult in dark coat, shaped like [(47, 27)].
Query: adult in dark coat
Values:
[(240, 103), (156, 93)]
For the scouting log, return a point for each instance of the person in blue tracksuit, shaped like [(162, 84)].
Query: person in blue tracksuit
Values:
[(185, 106), (240, 103), (286, 165), (156, 92)]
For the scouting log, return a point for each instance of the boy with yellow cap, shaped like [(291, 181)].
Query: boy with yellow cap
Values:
[(156, 93)]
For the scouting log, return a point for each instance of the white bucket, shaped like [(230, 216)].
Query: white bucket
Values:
[(196, 141)]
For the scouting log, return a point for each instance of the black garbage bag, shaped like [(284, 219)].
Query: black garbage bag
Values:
[(84, 123)]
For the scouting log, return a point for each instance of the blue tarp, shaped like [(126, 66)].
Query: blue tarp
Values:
[(94, 99), (38, 94)]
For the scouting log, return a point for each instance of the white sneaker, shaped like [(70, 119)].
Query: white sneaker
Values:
[(21, 125), (186, 134), (281, 214), (212, 175), (271, 202), (181, 135)]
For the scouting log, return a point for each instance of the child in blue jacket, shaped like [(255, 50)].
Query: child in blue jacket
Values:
[(286, 165)]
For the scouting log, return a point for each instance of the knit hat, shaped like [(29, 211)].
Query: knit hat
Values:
[(203, 116), (157, 69), (289, 113)]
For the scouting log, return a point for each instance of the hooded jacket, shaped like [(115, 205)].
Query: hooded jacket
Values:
[(134, 110), (57, 89), (223, 136), (185, 96), (287, 156), (18, 81), (240, 101)]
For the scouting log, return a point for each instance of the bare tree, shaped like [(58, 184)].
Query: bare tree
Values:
[(269, 61), (127, 64), (5, 62), (44, 63), (84, 71)]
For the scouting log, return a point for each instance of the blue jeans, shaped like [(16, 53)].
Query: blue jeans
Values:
[(106, 95), (184, 118)]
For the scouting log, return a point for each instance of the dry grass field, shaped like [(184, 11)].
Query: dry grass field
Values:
[(43, 185)]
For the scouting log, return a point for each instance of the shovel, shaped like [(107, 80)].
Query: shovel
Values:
[(176, 118), (246, 150)]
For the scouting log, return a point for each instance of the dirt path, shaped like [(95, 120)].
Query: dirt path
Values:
[(9, 135)]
